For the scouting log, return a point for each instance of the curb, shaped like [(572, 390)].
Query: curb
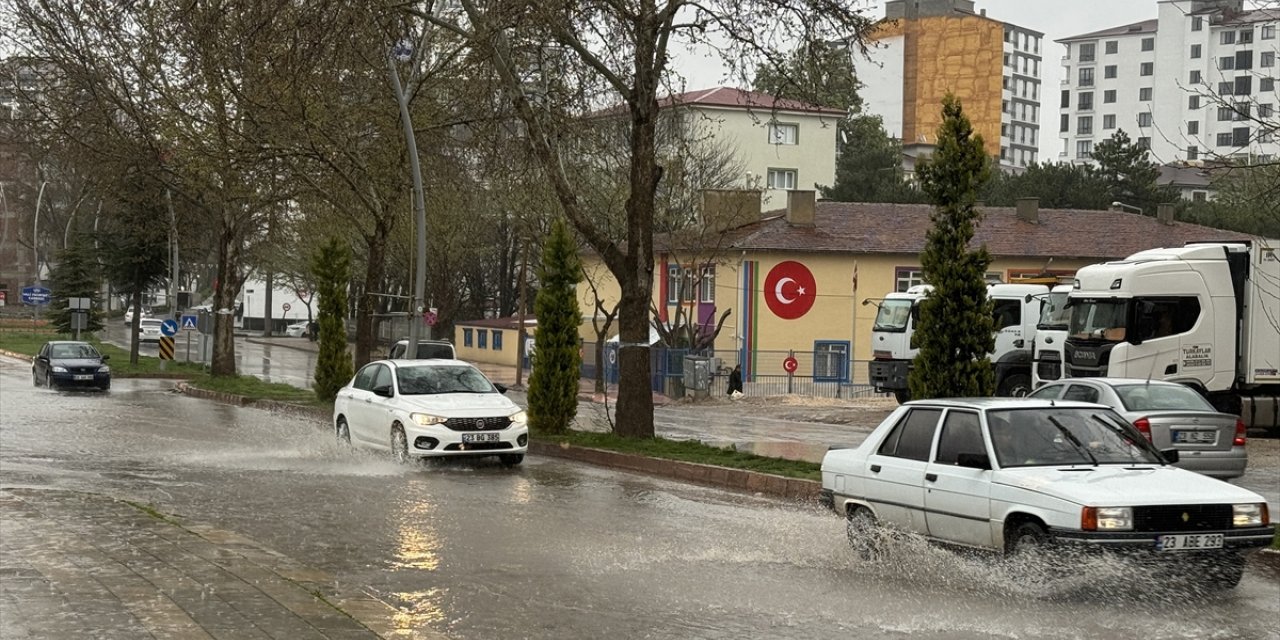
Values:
[(282, 346), (245, 401), (15, 354)]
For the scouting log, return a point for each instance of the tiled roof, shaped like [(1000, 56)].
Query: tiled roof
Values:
[(498, 323), (1146, 26), (900, 228), (743, 99)]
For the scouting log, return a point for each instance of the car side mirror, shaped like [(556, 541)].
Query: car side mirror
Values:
[(383, 390), (1170, 455), (502, 388), (974, 461), (42, 358)]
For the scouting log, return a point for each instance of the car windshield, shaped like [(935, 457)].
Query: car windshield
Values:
[(1161, 397), (893, 315), (69, 351), (428, 380), (1098, 319), (1054, 313), (1056, 436)]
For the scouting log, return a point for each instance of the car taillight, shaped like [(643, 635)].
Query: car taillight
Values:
[(1144, 427), (1241, 433)]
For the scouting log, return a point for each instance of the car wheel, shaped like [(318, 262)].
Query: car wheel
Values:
[(104, 387), (35, 379), (48, 381), (864, 533), (399, 444), (1028, 536), (1015, 386), (343, 431), (511, 459)]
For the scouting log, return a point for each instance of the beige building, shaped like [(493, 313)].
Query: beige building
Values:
[(491, 340)]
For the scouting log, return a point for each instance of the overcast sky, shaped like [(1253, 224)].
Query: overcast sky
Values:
[(1055, 18)]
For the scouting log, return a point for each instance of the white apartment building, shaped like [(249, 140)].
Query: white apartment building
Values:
[(1197, 83)]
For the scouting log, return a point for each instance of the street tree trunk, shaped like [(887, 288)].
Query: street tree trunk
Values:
[(135, 300), (266, 309), (375, 267), (224, 345)]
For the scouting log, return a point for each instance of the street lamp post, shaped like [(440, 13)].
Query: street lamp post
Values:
[(35, 232), (402, 52)]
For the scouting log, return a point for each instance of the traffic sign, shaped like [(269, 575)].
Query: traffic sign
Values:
[(188, 322), (286, 307), (169, 328), (430, 318), (166, 346), (35, 294), (790, 364)]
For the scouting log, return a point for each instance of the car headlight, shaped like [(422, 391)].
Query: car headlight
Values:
[(1106, 519), (519, 417), (57, 369), (1249, 515), (104, 369), (426, 419)]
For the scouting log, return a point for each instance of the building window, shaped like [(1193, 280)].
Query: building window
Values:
[(466, 337), (1267, 59), (1246, 36), (1112, 46), (1108, 96), (1193, 127), (1197, 23), (1147, 69), (1195, 51), (1265, 110), (1224, 139), (1066, 98), (1084, 125), (1144, 143), (1193, 153), (907, 277), (1144, 94), (1195, 77), (1004, 153), (482, 339), (1225, 114), (1243, 110), (1148, 44), (1065, 125), (780, 133), (1084, 149), (1266, 84), (1227, 63), (1193, 102), (1227, 37), (1225, 88), (830, 361), (1109, 71), (1086, 100), (1144, 119), (1108, 122), (497, 340), (1199, 196), (1268, 32), (1086, 77), (782, 178), (707, 286), (1244, 60), (1087, 51), (1240, 137)]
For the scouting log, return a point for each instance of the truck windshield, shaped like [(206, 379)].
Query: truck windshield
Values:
[(1053, 311), (1098, 319), (893, 315)]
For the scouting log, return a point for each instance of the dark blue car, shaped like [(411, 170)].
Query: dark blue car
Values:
[(64, 363)]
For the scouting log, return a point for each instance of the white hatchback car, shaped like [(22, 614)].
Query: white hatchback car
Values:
[(1005, 474), (430, 408)]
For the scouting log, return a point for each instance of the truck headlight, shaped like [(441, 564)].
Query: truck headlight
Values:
[(1106, 519), (426, 419), (1249, 515), (519, 417)]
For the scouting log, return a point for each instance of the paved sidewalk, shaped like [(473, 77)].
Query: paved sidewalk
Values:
[(75, 565)]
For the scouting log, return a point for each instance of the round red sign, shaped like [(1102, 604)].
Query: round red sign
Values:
[(790, 364), (790, 290)]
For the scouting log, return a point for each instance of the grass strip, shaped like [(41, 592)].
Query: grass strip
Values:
[(686, 451), (255, 389)]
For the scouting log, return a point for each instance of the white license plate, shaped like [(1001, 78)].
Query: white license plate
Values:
[(89, 377), (1195, 437), (480, 437), (1189, 542)]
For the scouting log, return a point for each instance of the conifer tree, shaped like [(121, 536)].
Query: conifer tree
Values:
[(553, 384), (331, 266), (956, 331), (74, 275)]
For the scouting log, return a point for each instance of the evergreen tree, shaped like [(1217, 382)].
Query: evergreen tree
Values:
[(869, 166), (553, 384), (74, 276), (1129, 175), (135, 253), (956, 331), (1058, 186), (331, 267)]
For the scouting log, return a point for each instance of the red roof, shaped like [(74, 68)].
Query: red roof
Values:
[(743, 99), (498, 323)]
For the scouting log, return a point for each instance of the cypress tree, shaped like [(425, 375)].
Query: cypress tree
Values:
[(74, 275), (553, 384), (956, 331), (331, 266)]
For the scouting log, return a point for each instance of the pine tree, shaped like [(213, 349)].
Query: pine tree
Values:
[(956, 331), (1130, 176), (331, 267), (74, 276), (553, 384)]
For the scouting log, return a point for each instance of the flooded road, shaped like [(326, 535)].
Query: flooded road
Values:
[(554, 549)]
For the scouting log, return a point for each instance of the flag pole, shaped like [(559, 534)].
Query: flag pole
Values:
[(853, 340)]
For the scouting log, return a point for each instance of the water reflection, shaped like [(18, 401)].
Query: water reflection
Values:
[(417, 609), (418, 543)]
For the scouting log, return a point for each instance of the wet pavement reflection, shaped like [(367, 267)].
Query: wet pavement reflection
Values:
[(553, 549)]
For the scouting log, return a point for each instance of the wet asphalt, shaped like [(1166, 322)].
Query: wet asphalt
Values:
[(554, 549)]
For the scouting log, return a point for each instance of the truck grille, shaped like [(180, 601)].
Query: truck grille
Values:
[(496, 423), (1191, 517)]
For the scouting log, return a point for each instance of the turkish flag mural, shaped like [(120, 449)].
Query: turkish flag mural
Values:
[(789, 290)]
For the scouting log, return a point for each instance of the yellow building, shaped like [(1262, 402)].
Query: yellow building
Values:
[(491, 340), (800, 279)]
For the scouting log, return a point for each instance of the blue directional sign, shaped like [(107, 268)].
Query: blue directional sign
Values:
[(35, 294), (169, 328), (188, 322)]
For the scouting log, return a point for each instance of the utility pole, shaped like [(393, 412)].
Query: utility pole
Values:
[(404, 52)]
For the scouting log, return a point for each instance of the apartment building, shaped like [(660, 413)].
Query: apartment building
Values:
[(924, 49), (1196, 83)]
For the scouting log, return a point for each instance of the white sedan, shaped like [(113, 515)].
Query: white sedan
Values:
[(296, 330), (429, 408), (1006, 474)]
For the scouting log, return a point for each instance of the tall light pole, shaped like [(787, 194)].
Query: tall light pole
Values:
[(35, 232), (402, 52)]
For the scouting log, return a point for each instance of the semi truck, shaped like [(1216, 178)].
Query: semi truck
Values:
[(1206, 314), (1016, 313)]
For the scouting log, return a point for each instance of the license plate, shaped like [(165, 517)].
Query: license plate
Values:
[(1189, 542), (1195, 437), (480, 437), (83, 377)]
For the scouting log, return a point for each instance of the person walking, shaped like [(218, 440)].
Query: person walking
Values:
[(735, 381)]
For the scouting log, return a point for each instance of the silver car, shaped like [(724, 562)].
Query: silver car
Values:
[(1170, 415)]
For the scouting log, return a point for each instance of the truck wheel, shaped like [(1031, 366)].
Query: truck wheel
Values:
[(902, 395), (1015, 386)]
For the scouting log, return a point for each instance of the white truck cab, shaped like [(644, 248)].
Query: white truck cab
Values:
[(1051, 335)]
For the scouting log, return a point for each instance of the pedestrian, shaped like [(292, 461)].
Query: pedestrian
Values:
[(735, 381)]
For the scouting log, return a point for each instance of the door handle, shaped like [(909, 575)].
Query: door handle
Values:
[(931, 477), (875, 468)]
